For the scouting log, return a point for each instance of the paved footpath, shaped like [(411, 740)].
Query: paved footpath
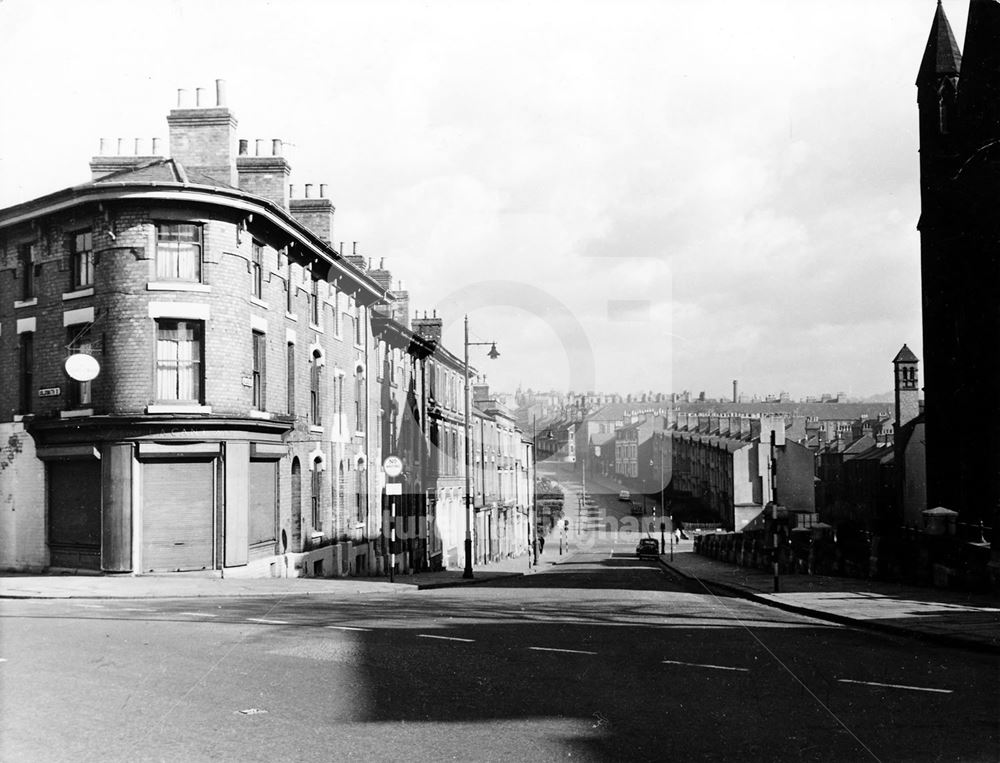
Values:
[(206, 584), (965, 620)]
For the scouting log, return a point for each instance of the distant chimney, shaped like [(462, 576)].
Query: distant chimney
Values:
[(429, 328), (354, 258), (736, 391), (203, 139), (315, 214), (401, 306), (267, 176), (105, 164)]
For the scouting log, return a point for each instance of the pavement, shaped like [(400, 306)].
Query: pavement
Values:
[(72, 585), (953, 618)]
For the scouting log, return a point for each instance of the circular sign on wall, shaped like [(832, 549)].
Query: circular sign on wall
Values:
[(393, 466), (82, 367)]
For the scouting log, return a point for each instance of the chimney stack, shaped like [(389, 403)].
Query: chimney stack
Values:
[(105, 164), (429, 328), (315, 214), (264, 175), (203, 139)]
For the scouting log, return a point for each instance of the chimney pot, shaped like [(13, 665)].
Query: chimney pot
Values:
[(309, 189), (244, 146), (276, 146), (322, 190), (137, 151), (181, 97), (104, 143), (198, 94), (120, 141), (156, 146), (220, 92), (259, 146), (291, 191)]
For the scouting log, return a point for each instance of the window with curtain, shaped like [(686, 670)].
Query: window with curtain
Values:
[(178, 251), (179, 360)]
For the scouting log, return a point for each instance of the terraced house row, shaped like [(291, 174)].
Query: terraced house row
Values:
[(236, 381)]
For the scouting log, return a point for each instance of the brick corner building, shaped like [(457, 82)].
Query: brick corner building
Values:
[(230, 426)]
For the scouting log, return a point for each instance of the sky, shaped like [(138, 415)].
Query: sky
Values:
[(623, 195)]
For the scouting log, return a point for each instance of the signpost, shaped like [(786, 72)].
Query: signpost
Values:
[(393, 467)]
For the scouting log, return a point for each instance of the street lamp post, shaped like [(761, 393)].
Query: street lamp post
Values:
[(493, 354)]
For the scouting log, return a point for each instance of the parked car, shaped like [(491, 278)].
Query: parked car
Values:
[(624, 495), (648, 548)]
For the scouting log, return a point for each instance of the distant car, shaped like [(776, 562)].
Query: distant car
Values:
[(624, 495), (648, 547)]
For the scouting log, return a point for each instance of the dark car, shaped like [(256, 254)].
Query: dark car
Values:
[(648, 548)]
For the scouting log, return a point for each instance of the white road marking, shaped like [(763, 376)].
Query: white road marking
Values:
[(445, 638), (347, 628), (196, 614), (895, 686), (567, 651), (700, 665), (3, 659), (135, 609), (89, 606), (266, 622)]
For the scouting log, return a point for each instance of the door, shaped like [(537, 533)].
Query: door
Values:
[(75, 513), (263, 508), (178, 513)]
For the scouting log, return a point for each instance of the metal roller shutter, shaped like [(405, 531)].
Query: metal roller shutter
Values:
[(75, 513), (263, 507), (178, 518)]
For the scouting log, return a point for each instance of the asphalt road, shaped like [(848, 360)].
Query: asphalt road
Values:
[(599, 657)]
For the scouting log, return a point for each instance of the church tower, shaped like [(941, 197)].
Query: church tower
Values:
[(959, 115), (907, 388)]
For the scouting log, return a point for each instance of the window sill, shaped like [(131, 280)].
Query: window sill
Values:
[(178, 408), (18, 303), (87, 291), (317, 329), (314, 428), (204, 288), (255, 414), (76, 413), (292, 316), (259, 302)]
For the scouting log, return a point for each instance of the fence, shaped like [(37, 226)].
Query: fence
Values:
[(959, 560)]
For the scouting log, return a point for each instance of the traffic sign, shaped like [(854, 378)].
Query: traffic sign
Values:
[(394, 488), (393, 466)]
